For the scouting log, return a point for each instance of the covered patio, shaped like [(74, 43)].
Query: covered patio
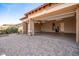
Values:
[(63, 16)]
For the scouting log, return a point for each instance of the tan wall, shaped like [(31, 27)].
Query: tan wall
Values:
[(46, 27), (69, 25), (37, 27), (25, 28)]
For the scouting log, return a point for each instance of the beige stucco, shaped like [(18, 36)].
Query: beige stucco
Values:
[(77, 25), (25, 27), (69, 25), (37, 27), (31, 27)]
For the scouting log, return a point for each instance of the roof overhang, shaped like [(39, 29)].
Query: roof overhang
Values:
[(53, 11), (38, 8), (57, 17), (61, 12)]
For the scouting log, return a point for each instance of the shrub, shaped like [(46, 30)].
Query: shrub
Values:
[(2, 31), (11, 30)]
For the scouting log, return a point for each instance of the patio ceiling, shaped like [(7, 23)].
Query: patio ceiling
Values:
[(59, 14), (57, 17)]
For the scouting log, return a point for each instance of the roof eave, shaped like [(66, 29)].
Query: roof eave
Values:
[(36, 8)]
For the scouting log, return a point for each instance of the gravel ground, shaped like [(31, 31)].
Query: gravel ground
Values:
[(38, 45)]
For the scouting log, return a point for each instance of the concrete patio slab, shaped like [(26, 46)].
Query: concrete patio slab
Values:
[(39, 45)]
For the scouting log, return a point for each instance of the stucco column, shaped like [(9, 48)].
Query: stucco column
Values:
[(31, 27), (24, 27), (77, 25)]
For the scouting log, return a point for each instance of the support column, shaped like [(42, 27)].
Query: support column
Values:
[(31, 27), (24, 27), (77, 25)]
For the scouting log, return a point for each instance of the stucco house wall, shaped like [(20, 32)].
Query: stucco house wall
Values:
[(69, 25), (37, 27)]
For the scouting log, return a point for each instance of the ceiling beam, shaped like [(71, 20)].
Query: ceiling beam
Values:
[(58, 17)]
